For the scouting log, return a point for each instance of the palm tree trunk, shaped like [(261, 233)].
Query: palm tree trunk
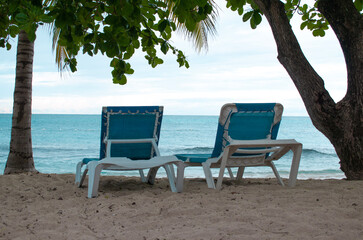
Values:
[(20, 157)]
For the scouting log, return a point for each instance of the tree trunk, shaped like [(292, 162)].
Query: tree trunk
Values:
[(342, 122), (347, 24), (20, 157)]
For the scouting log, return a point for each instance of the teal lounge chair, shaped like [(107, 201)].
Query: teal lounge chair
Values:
[(246, 137), (129, 141)]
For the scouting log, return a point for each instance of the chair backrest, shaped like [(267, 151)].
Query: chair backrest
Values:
[(123, 123), (247, 121)]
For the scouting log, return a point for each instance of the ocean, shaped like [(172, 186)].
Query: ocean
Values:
[(60, 141)]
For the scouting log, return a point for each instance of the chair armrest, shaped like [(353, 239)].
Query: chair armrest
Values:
[(263, 143)]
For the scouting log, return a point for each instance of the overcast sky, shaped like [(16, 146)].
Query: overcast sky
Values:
[(240, 66)]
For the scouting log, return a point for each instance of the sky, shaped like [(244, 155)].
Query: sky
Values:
[(240, 66)]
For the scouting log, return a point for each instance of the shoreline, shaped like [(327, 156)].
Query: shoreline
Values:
[(40, 206), (192, 173)]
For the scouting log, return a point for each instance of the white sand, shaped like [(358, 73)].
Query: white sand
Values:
[(42, 206)]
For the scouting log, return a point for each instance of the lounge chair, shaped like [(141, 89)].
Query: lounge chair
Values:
[(246, 137), (129, 141)]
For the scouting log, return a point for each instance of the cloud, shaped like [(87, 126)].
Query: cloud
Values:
[(47, 79), (6, 105), (240, 66)]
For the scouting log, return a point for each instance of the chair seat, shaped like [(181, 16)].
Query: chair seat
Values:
[(128, 164), (193, 158), (87, 160)]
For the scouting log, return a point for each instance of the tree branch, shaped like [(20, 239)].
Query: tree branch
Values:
[(347, 24), (310, 85)]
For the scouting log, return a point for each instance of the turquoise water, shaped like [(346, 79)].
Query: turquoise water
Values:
[(60, 141)]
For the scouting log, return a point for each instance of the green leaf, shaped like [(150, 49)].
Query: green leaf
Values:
[(21, 18), (173, 26), (247, 16), (127, 8), (8, 46), (122, 66), (72, 63), (162, 25), (303, 25), (89, 37), (358, 5), (112, 49), (186, 64), (129, 53), (190, 24), (165, 47), (318, 33), (46, 19), (121, 79), (256, 17), (136, 44), (13, 30), (305, 17), (114, 62), (240, 11), (253, 24), (31, 32), (311, 25), (129, 69), (288, 5)]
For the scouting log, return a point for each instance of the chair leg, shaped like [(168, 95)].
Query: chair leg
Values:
[(222, 168), (220, 177), (142, 176), (83, 177), (295, 164), (230, 173), (180, 177), (172, 169), (240, 172), (208, 175), (152, 175), (171, 177), (272, 165), (94, 178), (78, 172)]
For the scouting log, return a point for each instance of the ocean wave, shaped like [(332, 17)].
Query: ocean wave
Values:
[(320, 171), (63, 148), (67, 129), (307, 151), (5, 148), (191, 150)]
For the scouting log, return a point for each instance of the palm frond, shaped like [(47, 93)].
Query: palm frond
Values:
[(60, 52), (201, 31)]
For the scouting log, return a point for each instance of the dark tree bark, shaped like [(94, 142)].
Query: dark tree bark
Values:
[(342, 122), (20, 157)]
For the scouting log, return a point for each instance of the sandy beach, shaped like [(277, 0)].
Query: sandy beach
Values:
[(50, 206)]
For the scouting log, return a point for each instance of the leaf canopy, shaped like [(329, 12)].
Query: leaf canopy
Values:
[(115, 28), (312, 19)]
